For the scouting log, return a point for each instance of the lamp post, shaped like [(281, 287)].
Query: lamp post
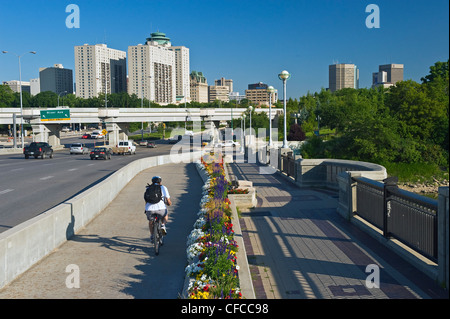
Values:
[(250, 109), (271, 90), (60, 95), (243, 134), (20, 90), (284, 76)]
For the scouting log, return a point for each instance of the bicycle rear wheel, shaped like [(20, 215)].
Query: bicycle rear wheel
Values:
[(156, 236)]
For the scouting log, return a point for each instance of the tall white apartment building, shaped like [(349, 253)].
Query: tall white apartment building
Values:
[(158, 71), (99, 69), (182, 73)]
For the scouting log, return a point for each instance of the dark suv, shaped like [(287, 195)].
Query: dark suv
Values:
[(37, 149)]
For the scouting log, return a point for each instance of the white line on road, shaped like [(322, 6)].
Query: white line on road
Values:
[(45, 178), (73, 169), (6, 191)]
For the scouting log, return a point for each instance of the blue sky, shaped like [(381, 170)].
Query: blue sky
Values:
[(244, 40)]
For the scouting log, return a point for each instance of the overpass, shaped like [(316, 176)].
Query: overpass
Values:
[(116, 119)]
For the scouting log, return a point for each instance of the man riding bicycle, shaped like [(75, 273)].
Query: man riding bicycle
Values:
[(158, 207)]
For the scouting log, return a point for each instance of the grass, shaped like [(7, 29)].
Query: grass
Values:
[(417, 172)]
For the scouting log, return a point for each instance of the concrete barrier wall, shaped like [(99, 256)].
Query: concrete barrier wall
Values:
[(24, 245)]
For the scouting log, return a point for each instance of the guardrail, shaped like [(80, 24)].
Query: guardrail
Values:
[(399, 214)]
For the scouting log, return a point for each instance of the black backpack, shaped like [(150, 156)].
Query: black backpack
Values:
[(153, 194)]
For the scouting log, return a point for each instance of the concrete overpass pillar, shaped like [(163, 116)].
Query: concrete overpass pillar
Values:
[(50, 133), (113, 133)]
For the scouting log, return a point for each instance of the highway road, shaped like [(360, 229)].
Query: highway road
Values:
[(31, 187)]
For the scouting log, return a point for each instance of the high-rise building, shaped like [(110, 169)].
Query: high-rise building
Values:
[(224, 82), (159, 71), (56, 79), (218, 92), (257, 94), (199, 87), (99, 69), (182, 76), (15, 86), (343, 76), (35, 86), (387, 75)]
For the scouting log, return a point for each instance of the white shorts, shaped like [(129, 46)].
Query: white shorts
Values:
[(161, 212)]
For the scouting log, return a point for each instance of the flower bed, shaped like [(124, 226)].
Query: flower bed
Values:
[(211, 248)]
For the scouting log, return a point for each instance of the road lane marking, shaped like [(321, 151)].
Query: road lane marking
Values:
[(45, 178), (73, 169), (6, 191)]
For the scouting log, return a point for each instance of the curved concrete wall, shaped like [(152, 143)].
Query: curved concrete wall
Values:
[(29, 242)]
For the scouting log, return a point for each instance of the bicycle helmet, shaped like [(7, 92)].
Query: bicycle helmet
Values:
[(156, 179)]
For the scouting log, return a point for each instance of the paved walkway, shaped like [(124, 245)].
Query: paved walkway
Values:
[(298, 247), (113, 252)]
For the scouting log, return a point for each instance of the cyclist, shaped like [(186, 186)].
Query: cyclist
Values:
[(159, 208)]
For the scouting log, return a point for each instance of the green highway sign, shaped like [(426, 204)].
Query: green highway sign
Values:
[(55, 115)]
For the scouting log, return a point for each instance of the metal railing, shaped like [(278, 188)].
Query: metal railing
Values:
[(405, 216)]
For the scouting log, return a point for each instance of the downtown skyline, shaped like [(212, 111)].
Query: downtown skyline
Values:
[(247, 42)]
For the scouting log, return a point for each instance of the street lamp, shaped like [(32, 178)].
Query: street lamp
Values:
[(271, 90), (60, 95), (284, 76), (250, 109), (243, 134), (20, 90)]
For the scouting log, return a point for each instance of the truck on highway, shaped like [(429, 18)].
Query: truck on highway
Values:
[(124, 147), (37, 149)]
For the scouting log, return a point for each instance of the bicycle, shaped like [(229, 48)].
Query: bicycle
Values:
[(158, 236)]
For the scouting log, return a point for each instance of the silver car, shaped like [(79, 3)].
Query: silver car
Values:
[(78, 148)]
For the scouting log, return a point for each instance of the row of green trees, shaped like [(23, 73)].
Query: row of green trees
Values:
[(47, 99), (408, 122)]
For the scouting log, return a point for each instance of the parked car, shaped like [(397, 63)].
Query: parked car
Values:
[(100, 152), (86, 136), (37, 149), (151, 144), (78, 148)]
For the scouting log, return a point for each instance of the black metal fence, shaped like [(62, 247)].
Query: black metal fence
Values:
[(405, 216)]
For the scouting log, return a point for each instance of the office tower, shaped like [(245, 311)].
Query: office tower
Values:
[(182, 76), (218, 92), (56, 79), (35, 86), (224, 82), (198, 87), (15, 86), (343, 76), (257, 94), (99, 69), (388, 75)]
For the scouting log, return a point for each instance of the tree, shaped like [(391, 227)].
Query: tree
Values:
[(296, 133), (6, 96)]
